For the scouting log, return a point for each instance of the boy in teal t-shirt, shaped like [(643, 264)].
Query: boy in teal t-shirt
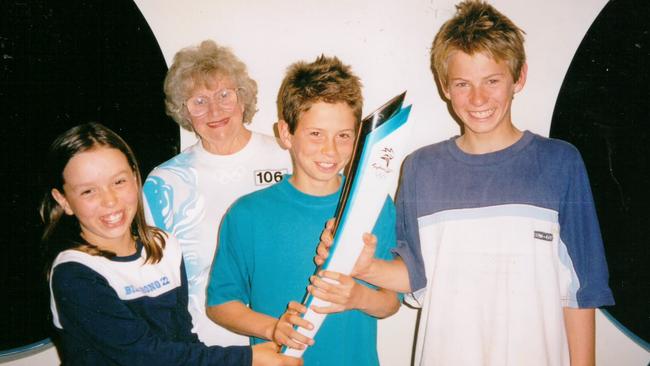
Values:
[(268, 238)]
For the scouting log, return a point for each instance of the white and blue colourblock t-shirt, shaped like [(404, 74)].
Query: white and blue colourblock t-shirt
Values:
[(124, 311), (188, 195), (496, 245)]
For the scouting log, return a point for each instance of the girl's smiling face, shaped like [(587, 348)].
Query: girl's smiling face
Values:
[(101, 190)]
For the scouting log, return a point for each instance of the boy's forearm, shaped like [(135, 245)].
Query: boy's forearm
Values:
[(239, 318), (391, 275), (380, 303), (581, 335)]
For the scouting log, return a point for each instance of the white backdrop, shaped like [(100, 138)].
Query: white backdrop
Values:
[(387, 43)]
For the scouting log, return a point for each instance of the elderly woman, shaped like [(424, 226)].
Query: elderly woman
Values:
[(208, 91)]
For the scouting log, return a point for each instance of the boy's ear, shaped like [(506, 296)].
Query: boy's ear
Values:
[(519, 84), (62, 201), (285, 135)]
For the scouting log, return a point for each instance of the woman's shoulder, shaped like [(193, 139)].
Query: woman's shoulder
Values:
[(266, 141), (177, 164)]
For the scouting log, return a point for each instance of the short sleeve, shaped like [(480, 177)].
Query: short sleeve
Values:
[(580, 233), (158, 202), (408, 238)]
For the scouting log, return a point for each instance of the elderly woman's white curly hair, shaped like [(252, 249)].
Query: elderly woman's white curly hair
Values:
[(197, 66)]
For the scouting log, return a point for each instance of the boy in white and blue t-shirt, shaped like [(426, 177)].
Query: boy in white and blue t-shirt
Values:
[(498, 239)]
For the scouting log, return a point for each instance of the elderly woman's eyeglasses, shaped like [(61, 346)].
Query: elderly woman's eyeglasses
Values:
[(199, 105)]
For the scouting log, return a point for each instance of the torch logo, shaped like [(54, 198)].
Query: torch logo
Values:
[(387, 154)]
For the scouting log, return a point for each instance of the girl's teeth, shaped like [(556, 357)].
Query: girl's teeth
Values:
[(113, 218)]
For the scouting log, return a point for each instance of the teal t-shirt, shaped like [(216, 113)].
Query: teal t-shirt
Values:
[(267, 242)]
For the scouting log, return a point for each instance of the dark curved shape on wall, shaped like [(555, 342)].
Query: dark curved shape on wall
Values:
[(65, 63), (603, 109)]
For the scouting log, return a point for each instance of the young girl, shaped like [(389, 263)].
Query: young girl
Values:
[(118, 287)]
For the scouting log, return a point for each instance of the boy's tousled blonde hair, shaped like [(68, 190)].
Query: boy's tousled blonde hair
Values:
[(478, 27)]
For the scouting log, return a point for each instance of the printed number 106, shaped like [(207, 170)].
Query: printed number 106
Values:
[(268, 177)]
